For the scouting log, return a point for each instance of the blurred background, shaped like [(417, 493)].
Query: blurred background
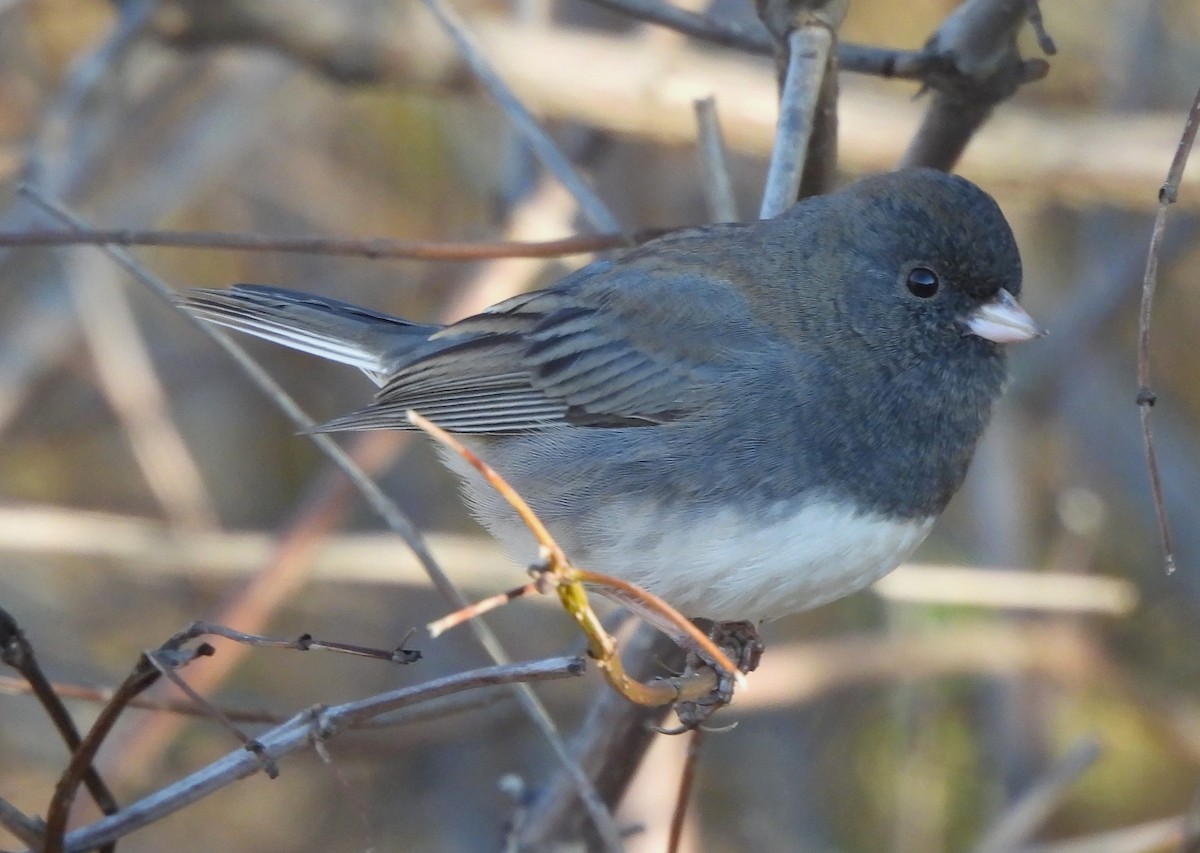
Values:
[(145, 483)]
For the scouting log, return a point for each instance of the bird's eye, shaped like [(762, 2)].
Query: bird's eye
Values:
[(922, 282)]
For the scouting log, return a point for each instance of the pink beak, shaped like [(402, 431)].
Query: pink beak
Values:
[(1004, 321)]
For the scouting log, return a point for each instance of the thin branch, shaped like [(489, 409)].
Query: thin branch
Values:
[(166, 670), (808, 29), (282, 567), (862, 59), (748, 37), (103, 695), (298, 733), (485, 605), (17, 652), (820, 165), (714, 163), (143, 675), (687, 779), (808, 52), (306, 643), (372, 249), (1146, 397), (30, 830), (981, 67), (657, 612), (593, 209)]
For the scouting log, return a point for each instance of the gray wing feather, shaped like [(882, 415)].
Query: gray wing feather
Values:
[(533, 362)]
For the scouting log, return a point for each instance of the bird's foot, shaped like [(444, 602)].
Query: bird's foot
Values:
[(741, 642)]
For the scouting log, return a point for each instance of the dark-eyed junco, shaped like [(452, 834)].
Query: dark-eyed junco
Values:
[(746, 419)]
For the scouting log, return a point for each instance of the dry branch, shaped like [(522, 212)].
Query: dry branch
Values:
[(1080, 158), (296, 734), (1167, 195)]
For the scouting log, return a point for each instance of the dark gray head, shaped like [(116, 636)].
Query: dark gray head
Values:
[(929, 260)]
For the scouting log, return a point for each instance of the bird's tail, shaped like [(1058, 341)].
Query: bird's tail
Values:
[(371, 341)]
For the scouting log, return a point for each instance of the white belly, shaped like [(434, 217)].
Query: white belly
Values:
[(726, 564)]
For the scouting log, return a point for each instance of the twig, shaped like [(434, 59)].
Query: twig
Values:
[(1146, 397), (808, 56), (981, 67), (485, 605), (1023, 818), (306, 642), (528, 517), (143, 675), (593, 209), (385, 508), (29, 829), (863, 59), (687, 779), (296, 734), (726, 33), (820, 164), (353, 797), (281, 569), (659, 612), (166, 670), (103, 695), (714, 163), (17, 652), (375, 248)]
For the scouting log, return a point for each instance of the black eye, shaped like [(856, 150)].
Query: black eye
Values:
[(922, 282)]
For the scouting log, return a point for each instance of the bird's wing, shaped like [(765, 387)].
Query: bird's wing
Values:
[(612, 346)]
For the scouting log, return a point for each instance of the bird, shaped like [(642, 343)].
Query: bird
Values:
[(746, 419)]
